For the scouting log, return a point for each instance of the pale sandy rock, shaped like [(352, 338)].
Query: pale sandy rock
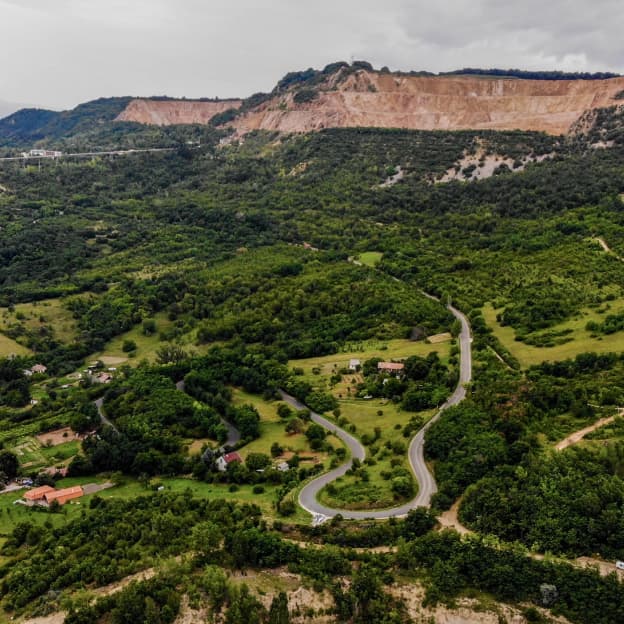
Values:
[(167, 113)]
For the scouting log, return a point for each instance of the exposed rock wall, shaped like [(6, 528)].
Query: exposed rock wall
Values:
[(170, 112), (374, 99), (438, 103)]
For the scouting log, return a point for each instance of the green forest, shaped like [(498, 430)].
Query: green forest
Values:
[(157, 311)]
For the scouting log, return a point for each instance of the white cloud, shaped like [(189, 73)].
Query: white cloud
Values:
[(62, 52)]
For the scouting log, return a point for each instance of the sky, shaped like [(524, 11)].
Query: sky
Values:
[(58, 53)]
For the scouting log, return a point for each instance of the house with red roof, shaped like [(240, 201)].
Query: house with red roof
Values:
[(64, 495), (225, 460), (37, 495), (391, 368)]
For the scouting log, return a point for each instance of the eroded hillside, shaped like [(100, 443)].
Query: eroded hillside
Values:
[(437, 103), (366, 98), (171, 112)]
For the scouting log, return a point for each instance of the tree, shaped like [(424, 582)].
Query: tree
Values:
[(244, 607), (283, 411), (257, 461), (316, 435), (295, 425), (366, 589), (170, 354), (276, 449), (206, 538), (129, 345), (9, 464), (214, 583), (149, 327), (278, 613)]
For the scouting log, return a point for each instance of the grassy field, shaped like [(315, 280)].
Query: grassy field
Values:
[(582, 340), (370, 258), (389, 452), (32, 455), (391, 349), (147, 346), (375, 418), (12, 514), (37, 314), (272, 429), (10, 347)]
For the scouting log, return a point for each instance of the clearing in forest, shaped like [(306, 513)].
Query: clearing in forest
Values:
[(580, 339)]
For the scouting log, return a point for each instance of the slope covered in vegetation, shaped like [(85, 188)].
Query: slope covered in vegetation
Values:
[(216, 270)]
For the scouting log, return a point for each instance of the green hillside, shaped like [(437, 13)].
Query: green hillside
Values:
[(270, 264)]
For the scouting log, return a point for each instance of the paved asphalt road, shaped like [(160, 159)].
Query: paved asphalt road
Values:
[(426, 483), (103, 418)]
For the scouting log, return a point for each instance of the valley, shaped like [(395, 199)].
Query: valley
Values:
[(278, 349)]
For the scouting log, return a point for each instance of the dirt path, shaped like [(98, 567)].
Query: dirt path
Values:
[(393, 179), (603, 243), (577, 436), (499, 357), (450, 520)]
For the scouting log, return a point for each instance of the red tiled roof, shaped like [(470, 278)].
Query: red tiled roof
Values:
[(390, 366), (232, 457), (38, 492), (62, 496)]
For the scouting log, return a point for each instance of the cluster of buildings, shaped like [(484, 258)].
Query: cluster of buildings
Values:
[(36, 369), (96, 375), (46, 495), (390, 368), (224, 461), (42, 153)]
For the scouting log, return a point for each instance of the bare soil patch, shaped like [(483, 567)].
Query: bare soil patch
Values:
[(58, 436), (437, 338), (449, 520), (110, 360), (54, 618)]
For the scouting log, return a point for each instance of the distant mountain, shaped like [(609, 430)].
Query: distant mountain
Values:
[(7, 108), (30, 125), (340, 95)]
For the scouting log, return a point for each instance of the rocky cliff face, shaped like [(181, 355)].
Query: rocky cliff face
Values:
[(369, 98), (170, 112)]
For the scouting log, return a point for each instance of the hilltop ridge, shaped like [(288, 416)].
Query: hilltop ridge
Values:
[(345, 95), (359, 96)]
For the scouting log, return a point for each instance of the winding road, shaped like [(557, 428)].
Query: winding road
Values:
[(98, 404), (426, 482)]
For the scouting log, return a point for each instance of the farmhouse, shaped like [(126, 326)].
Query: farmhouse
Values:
[(354, 365), (37, 495), (225, 460), (46, 494), (64, 495), (38, 368), (42, 153), (392, 368)]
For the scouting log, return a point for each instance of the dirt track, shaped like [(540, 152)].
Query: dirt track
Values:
[(577, 436)]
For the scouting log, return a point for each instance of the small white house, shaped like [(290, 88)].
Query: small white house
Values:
[(354, 365), (225, 460), (283, 467)]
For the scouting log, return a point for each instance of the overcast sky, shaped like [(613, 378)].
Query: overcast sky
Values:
[(58, 53)]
